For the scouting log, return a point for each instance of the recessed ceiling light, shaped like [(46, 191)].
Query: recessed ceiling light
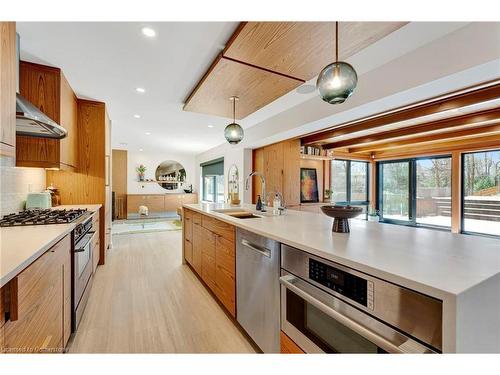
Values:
[(147, 133), (141, 149), (137, 116), (148, 31), (210, 126), (140, 89), (123, 143)]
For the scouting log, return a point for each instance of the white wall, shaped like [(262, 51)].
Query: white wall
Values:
[(16, 183), (151, 161), (237, 155)]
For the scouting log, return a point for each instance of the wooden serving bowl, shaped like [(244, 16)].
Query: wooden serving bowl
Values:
[(341, 216)]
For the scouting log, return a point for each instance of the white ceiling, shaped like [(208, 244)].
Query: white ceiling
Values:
[(107, 61)]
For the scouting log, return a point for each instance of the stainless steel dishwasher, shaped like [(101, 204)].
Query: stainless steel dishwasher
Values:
[(258, 289)]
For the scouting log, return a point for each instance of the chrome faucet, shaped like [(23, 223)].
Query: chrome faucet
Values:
[(263, 186)]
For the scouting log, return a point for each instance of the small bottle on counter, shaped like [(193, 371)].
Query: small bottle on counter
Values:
[(258, 207)]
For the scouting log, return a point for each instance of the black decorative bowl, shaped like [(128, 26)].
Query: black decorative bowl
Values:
[(341, 216)]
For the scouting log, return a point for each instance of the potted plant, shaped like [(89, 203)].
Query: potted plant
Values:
[(372, 214), (141, 169)]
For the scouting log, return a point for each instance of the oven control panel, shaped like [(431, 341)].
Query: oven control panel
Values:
[(347, 284)]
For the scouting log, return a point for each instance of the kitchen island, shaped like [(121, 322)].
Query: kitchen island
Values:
[(462, 271)]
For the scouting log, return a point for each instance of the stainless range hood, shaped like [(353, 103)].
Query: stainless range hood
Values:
[(30, 120)]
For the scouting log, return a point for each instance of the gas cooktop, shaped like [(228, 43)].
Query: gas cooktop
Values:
[(41, 217)]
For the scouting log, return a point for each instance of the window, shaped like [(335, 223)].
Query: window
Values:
[(339, 181), (415, 191), (395, 190), (349, 183), (212, 175), (433, 191), (481, 192)]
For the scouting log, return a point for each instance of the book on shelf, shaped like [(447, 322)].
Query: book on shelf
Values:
[(315, 151)]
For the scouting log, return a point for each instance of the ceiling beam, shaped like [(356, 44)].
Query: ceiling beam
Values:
[(425, 108), (449, 123), (489, 142), (432, 138)]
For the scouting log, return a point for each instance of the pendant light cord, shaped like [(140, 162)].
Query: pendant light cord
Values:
[(234, 109), (336, 41)]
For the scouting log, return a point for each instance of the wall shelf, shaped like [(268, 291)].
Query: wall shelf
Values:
[(315, 157)]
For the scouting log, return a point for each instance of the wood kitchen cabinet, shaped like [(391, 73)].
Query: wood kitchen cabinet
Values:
[(159, 202), (197, 242), (39, 317), (8, 88), (208, 258), (209, 247), (47, 89), (90, 183), (280, 164)]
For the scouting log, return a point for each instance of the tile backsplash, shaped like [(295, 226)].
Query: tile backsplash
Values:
[(16, 183)]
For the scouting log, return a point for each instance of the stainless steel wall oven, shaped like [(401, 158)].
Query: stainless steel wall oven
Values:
[(329, 308)]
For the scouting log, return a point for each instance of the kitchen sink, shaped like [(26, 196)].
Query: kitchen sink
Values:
[(238, 213)]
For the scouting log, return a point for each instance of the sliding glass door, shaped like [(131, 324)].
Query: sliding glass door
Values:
[(395, 190), (433, 191), (481, 193), (415, 191)]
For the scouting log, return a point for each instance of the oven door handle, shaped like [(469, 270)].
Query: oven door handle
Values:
[(291, 282), (81, 249)]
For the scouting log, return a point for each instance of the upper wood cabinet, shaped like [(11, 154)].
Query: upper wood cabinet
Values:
[(280, 164), (87, 184), (262, 61), (7, 88), (47, 88)]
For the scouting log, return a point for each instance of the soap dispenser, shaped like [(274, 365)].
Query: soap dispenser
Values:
[(258, 207)]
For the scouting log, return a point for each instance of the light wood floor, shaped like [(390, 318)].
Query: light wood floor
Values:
[(145, 301)]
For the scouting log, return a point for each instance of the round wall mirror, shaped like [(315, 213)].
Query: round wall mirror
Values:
[(170, 175)]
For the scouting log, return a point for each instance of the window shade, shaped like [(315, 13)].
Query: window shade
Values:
[(213, 167)]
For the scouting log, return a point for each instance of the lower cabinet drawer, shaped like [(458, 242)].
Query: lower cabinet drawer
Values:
[(39, 324), (225, 288), (188, 251), (218, 227), (208, 270), (196, 218)]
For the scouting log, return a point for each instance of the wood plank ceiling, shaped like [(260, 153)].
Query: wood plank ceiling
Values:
[(263, 61), (471, 116)]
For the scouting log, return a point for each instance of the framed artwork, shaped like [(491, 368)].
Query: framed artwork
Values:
[(308, 185)]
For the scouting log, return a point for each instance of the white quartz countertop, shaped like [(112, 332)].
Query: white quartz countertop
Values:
[(437, 263), (21, 246)]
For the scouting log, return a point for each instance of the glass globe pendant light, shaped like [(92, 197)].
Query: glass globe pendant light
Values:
[(234, 132), (337, 81)]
